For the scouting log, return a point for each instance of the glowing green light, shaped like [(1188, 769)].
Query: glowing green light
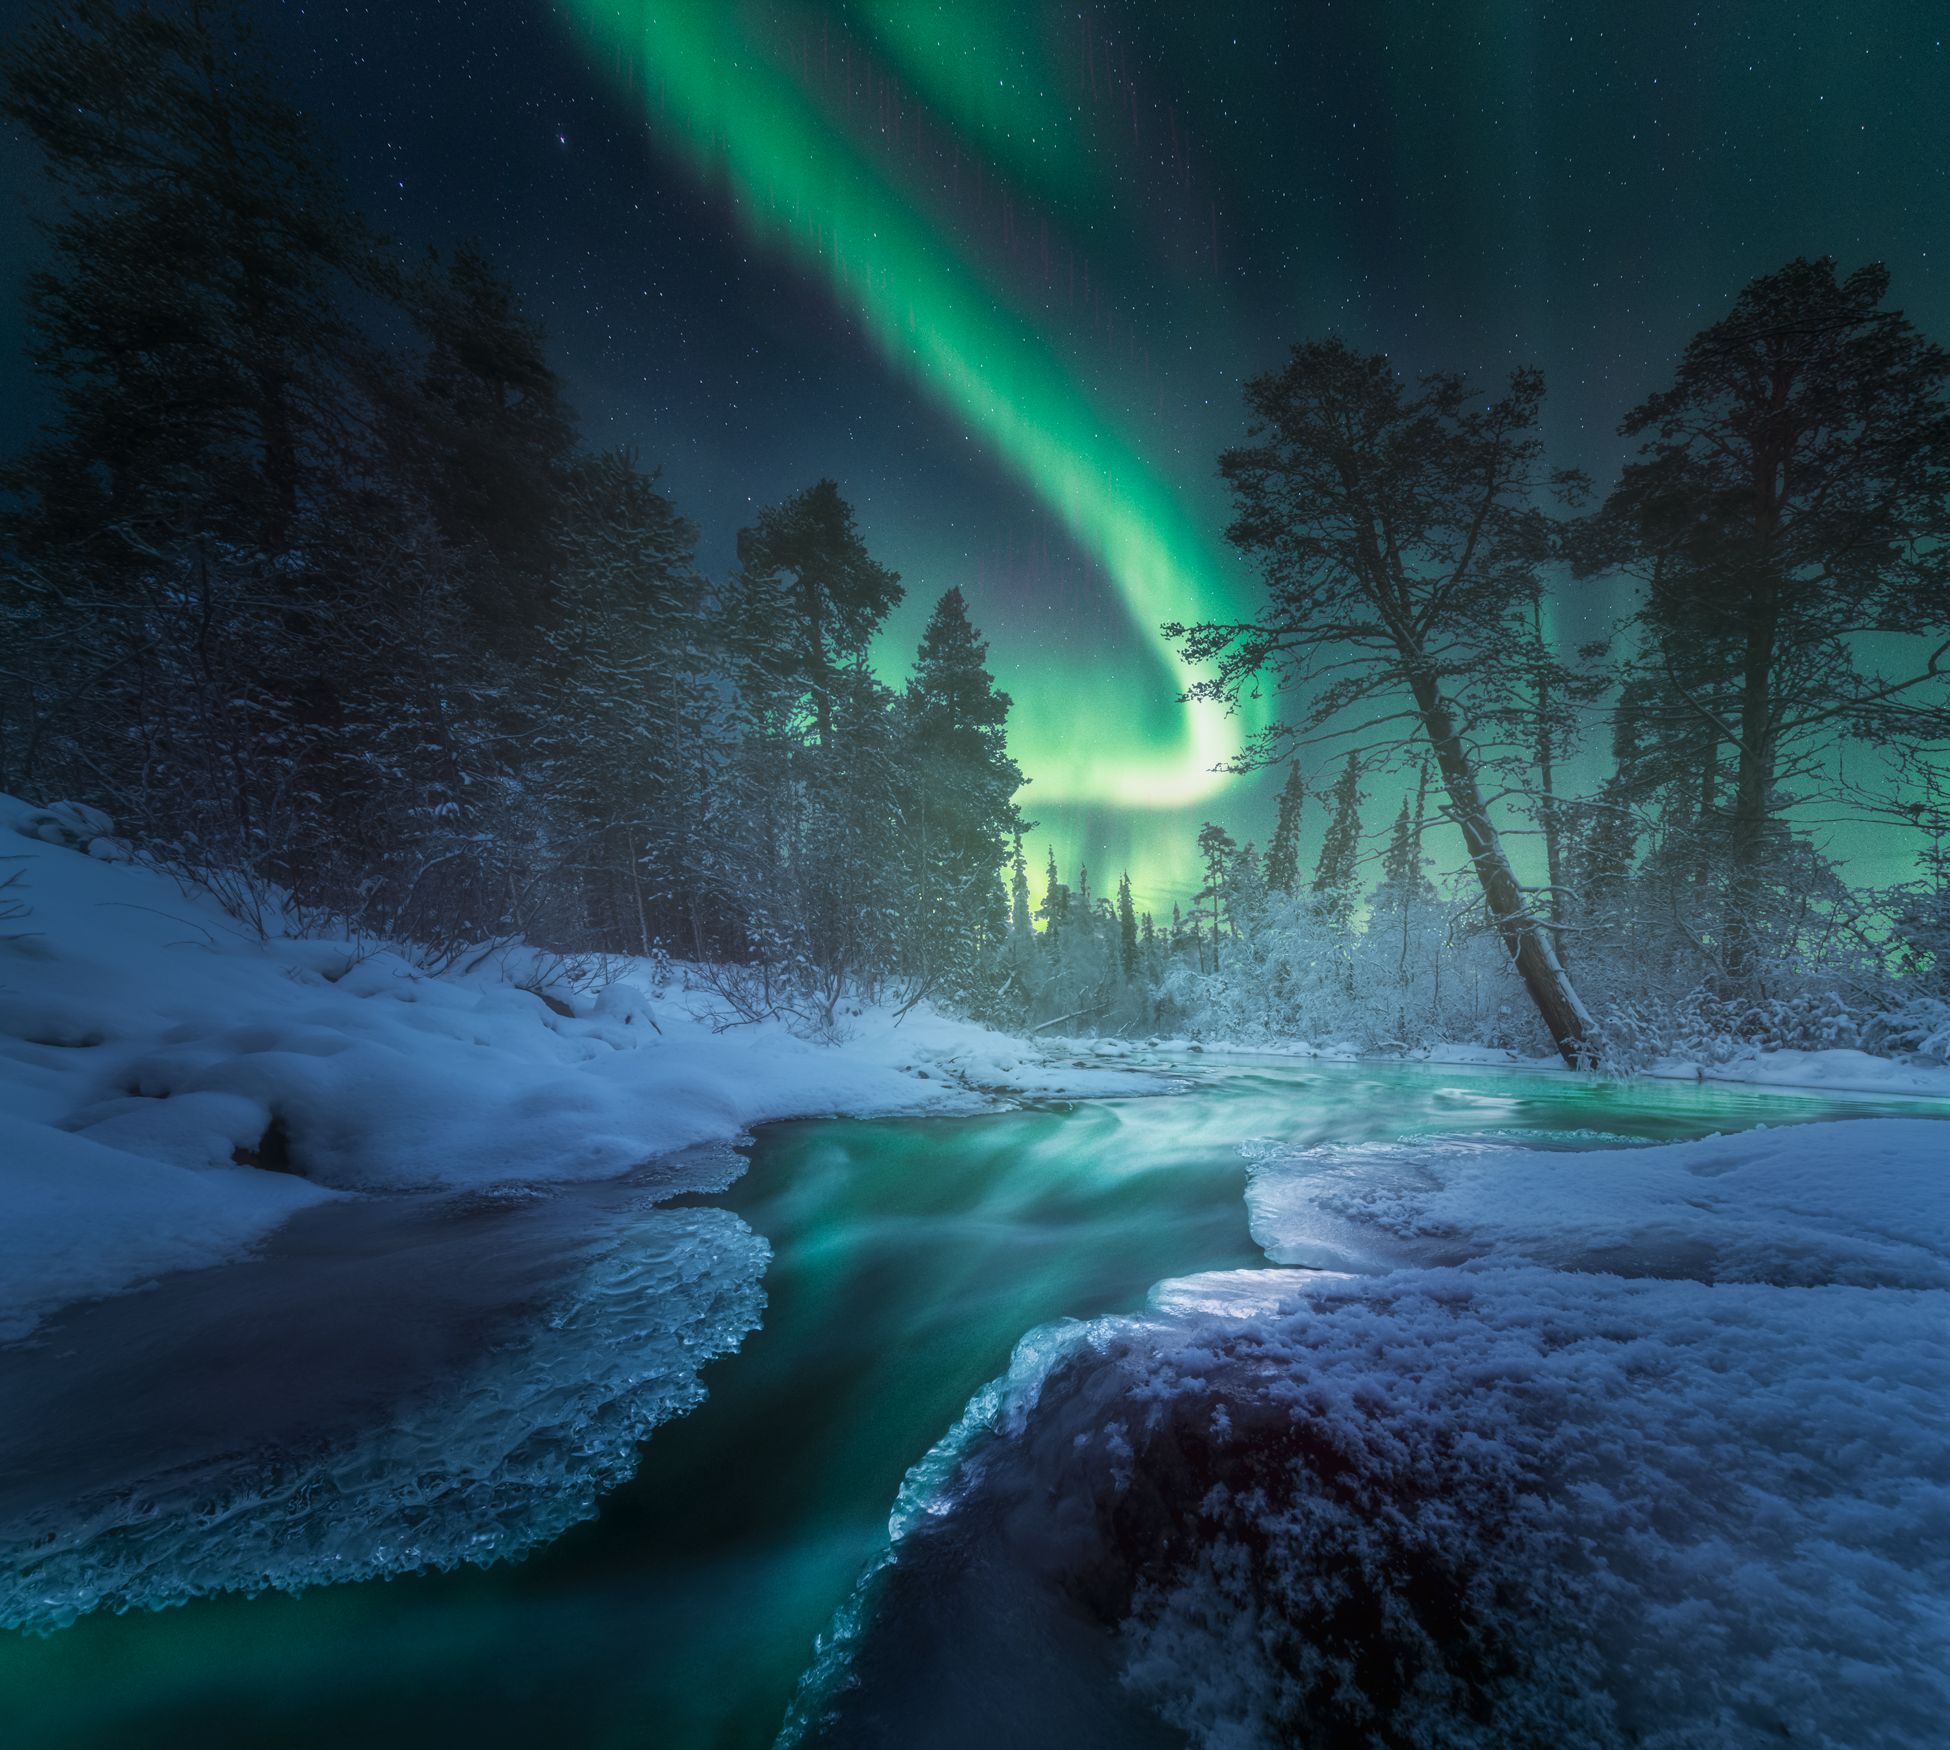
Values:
[(718, 80)]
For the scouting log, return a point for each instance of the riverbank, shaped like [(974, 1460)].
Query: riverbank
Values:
[(449, 1389), (1838, 1070), (174, 1086), (1535, 1433)]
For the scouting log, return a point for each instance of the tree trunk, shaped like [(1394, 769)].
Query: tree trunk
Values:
[(1753, 784), (1524, 935), (1547, 816)]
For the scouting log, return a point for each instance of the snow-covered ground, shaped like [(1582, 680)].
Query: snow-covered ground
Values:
[(1607, 1446), (156, 1057), (1839, 1071)]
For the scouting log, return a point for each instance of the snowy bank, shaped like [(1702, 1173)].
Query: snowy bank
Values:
[(1655, 1451), (156, 1058), (1837, 1070)]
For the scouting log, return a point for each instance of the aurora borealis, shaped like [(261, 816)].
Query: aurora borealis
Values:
[(773, 111), (1000, 268)]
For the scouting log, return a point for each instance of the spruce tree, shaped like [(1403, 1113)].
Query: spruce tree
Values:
[(1283, 853), (1020, 924), (962, 813), (1215, 848), (490, 436), (1127, 928), (1334, 874)]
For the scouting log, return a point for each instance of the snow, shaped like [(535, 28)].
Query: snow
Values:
[(1836, 1070), (78, 1218), (1864, 1202), (148, 1042), (1603, 1445)]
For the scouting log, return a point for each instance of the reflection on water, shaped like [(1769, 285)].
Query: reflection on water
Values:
[(906, 1259)]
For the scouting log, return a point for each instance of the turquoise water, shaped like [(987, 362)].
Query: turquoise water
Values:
[(908, 1257)]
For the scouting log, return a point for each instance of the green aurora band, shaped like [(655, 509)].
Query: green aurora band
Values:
[(718, 83)]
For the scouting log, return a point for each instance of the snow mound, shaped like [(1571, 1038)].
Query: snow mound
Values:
[(1475, 1506), (82, 1219), (474, 1465), (1643, 1446), (1862, 1201)]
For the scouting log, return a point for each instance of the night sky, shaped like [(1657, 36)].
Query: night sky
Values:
[(1000, 268)]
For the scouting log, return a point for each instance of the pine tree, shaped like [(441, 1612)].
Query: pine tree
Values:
[(190, 320), (1020, 924), (1127, 929), (1789, 516), (1245, 892), (1283, 853), (1398, 535), (821, 584), (189, 610), (962, 813), (490, 437), (628, 710), (1334, 874), (1215, 847), (1055, 909)]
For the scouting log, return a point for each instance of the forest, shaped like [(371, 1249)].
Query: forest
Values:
[(312, 588)]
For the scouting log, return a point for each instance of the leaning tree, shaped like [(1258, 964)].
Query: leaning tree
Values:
[(1398, 533)]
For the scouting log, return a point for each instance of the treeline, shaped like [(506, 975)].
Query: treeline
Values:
[(312, 587), (1781, 681)]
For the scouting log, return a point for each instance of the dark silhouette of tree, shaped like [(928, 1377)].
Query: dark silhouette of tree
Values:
[(1398, 537), (1215, 849), (816, 577), (1283, 852), (1789, 517)]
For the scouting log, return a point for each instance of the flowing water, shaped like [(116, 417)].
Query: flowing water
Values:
[(907, 1256)]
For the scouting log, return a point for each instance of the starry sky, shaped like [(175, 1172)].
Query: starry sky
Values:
[(999, 268)]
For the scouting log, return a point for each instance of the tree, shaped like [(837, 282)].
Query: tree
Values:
[(628, 711), (1283, 853), (1397, 536), (1215, 848), (1789, 517), (1245, 891), (490, 437), (812, 568), (178, 540), (963, 815), (1127, 927), (190, 321), (1340, 849), (1055, 909), (1020, 924)]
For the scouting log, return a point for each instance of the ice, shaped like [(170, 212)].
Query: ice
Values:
[(381, 1412)]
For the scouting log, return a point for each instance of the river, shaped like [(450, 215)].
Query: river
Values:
[(907, 1256)]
